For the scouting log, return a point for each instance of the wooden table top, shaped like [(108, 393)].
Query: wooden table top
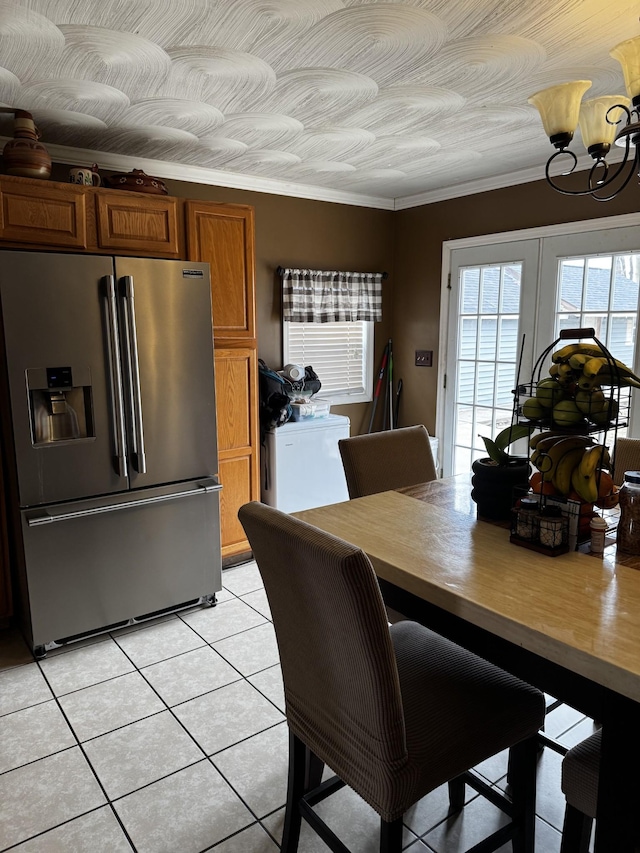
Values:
[(577, 610)]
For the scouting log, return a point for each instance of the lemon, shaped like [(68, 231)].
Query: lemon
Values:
[(607, 414), (590, 402), (533, 410), (549, 392), (567, 413)]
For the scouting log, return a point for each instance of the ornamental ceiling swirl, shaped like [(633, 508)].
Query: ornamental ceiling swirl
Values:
[(380, 100)]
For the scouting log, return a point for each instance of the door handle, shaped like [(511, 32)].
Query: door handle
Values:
[(133, 369), (115, 378), (50, 516)]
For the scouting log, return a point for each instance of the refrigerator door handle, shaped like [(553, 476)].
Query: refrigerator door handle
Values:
[(115, 378), (49, 516), (133, 368)]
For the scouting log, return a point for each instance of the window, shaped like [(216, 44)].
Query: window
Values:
[(340, 353)]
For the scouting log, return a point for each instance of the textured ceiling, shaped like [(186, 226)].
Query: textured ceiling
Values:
[(377, 100)]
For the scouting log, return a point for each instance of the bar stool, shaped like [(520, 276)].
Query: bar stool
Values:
[(580, 768)]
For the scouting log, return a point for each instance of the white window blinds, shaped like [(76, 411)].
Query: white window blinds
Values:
[(340, 353)]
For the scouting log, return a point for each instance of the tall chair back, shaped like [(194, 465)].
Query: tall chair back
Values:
[(626, 458), (381, 461), (334, 643)]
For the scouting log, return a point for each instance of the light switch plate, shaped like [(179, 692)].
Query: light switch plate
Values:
[(424, 357)]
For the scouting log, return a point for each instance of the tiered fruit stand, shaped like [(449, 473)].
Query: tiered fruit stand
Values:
[(574, 406)]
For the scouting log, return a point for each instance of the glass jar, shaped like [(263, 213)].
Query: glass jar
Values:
[(628, 538), (527, 520), (553, 528)]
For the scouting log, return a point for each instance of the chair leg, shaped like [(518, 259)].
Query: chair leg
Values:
[(391, 836), (298, 763), (313, 771), (456, 794), (524, 758), (576, 831)]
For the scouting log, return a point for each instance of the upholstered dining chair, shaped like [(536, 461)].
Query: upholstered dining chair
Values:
[(380, 461), (395, 711), (626, 458), (580, 768)]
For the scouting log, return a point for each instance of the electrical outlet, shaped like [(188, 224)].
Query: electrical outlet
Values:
[(424, 357)]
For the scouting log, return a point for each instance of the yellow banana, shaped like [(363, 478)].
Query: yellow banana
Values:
[(578, 360), (553, 370), (564, 469), (565, 353), (613, 368), (557, 450), (542, 462), (589, 383), (586, 487), (594, 365), (611, 377), (536, 439), (591, 460)]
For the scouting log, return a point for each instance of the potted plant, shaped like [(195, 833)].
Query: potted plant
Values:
[(496, 475)]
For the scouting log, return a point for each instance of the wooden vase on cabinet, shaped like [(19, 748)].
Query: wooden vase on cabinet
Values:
[(24, 155)]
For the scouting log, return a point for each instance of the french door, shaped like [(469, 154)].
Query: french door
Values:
[(507, 302), (491, 313)]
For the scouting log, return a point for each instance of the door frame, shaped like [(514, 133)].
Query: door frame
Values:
[(538, 233)]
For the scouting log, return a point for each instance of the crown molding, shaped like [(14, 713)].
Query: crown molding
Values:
[(213, 177), (234, 180), (497, 182)]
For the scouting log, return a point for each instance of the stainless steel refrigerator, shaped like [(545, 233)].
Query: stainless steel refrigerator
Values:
[(110, 373)]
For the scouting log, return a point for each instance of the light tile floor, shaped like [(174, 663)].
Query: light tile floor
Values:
[(170, 738)]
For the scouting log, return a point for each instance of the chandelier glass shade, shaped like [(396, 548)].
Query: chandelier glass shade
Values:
[(603, 121)]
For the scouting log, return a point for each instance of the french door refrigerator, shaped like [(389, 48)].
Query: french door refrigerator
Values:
[(109, 363)]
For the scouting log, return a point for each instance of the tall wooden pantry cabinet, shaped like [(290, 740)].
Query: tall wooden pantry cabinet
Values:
[(223, 235)]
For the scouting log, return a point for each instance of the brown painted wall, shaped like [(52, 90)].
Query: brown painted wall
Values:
[(295, 232), (407, 244), (419, 235)]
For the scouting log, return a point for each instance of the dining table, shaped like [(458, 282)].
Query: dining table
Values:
[(569, 624)]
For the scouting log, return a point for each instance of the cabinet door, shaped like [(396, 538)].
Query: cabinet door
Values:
[(237, 412), (222, 235), (42, 215), (145, 224)]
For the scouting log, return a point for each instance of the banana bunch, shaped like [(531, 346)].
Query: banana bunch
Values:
[(587, 366), (569, 462)]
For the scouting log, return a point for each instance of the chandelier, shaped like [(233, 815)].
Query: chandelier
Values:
[(604, 121)]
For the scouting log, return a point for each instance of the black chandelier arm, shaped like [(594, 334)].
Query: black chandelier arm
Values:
[(606, 181)]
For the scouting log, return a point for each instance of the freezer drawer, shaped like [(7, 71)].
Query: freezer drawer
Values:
[(94, 563)]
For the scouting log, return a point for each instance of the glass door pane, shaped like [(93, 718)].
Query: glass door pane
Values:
[(485, 345), (597, 284)]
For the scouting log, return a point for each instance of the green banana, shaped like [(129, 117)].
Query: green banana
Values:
[(564, 469), (586, 487), (591, 460)]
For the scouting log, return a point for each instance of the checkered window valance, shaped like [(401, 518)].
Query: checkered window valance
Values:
[(328, 296)]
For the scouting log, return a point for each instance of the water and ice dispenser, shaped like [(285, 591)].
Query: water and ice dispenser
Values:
[(60, 404)]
